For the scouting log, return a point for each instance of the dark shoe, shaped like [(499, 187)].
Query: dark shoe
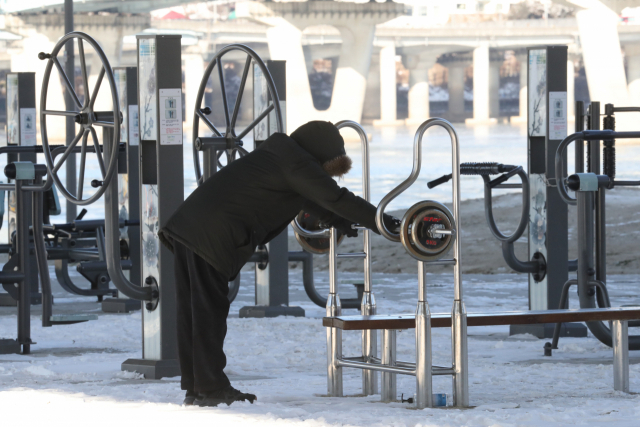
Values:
[(189, 398), (226, 395)]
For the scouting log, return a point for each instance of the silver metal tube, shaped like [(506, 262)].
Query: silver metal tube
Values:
[(333, 269), (388, 379), (334, 349), (369, 342), (352, 255), (417, 162), (393, 370), (442, 371), (460, 355), (620, 332), (441, 262), (424, 384), (422, 282)]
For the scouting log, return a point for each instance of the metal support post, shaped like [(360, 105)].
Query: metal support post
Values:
[(424, 384), (620, 332), (69, 68), (388, 379), (22, 246), (162, 191), (334, 335)]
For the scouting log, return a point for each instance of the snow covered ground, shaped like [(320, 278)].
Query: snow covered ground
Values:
[(73, 376)]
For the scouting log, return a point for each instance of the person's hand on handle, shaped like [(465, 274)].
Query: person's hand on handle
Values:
[(344, 226), (392, 223)]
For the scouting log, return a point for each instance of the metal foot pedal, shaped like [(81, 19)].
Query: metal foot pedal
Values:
[(70, 319), (120, 305)]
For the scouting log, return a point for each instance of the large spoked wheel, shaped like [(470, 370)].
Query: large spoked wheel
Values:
[(227, 132), (84, 115)]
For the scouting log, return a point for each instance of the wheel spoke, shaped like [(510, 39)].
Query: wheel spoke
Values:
[(242, 152), (256, 121), (96, 145), (67, 83), (236, 108), (208, 123), (96, 88), (68, 151), (104, 124), (60, 113), (223, 91), (83, 158), (83, 70)]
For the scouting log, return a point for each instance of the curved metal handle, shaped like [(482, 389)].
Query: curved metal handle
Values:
[(417, 163), (524, 218), (562, 189), (366, 186)]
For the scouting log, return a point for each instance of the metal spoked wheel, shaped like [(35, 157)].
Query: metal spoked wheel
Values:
[(84, 115), (226, 133)]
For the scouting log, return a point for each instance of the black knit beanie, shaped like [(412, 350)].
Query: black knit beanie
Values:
[(324, 142)]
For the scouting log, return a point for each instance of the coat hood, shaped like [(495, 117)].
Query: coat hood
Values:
[(323, 141)]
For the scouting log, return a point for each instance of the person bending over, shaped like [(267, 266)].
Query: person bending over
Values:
[(218, 227)]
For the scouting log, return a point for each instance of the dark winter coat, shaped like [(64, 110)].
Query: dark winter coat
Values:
[(253, 199)]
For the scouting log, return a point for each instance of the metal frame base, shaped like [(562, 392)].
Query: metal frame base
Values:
[(153, 369), (545, 330), (261, 311), (7, 301), (9, 346), (120, 305)]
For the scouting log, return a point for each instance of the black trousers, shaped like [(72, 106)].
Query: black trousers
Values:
[(203, 306)]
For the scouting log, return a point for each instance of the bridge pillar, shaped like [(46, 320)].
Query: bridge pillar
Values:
[(632, 54), (388, 87), (603, 60), (419, 66), (482, 85), (457, 113)]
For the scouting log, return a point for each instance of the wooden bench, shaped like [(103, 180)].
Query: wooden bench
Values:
[(619, 316)]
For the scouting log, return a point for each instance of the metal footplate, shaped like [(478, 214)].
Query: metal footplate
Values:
[(70, 319)]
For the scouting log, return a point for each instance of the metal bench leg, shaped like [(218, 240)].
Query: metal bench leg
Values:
[(460, 356), (369, 347), (334, 350), (423, 357), (620, 332), (389, 393)]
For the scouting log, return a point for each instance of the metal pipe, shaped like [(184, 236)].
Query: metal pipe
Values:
[(601, 238), (388, 379), (352, 255), (424, 383), (509, 255), (69, 104), (376, 367), (460, 355), (620, 332), (579, 145), (334, 335), (524, 216), (112, 240)]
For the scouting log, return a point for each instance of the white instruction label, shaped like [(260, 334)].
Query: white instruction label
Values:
[(28, 126), (134, 125), (170, 116), (557, 115)]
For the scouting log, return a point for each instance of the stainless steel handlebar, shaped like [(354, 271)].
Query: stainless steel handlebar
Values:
[(417, 163), (366, 185)]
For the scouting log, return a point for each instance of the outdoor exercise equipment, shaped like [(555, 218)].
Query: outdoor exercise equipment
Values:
[(445, 235), (590, 198)]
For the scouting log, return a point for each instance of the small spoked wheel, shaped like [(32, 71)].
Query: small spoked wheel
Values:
[(84, 115), (226, 134), (428, 230)]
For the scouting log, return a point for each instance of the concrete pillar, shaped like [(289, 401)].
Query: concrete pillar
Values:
[(285, 43), (522, 118), (603, 60), (633, 73), (419, 66), (494, 88), (571, 90), (193, 71), (481, 86), (456, 91), (388, 104)]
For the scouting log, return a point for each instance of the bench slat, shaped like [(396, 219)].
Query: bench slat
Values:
[(443, 320)]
